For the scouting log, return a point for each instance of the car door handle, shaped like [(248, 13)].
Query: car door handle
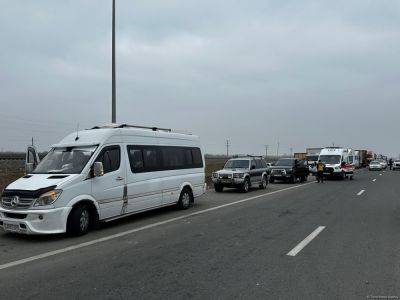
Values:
[(119, 178)]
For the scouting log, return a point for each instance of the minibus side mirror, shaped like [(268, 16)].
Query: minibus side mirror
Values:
[(98, 169), (29, 168)]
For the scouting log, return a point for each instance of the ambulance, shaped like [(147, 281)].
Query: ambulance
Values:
[(339, 162)]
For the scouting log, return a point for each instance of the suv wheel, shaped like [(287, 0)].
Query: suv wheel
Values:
[(79, 220), (218, 188), (292, 179), (246, 185), (271, 180), (264, 183)]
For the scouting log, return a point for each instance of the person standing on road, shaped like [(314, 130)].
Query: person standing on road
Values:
[(390, 164), (320, 171)]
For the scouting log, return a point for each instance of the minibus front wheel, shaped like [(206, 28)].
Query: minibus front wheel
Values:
[(80, 220)]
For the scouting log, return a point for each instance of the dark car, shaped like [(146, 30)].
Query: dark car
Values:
[(289, 169)]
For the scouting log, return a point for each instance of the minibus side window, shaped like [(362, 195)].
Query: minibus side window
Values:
[(111, 158), (136, 159), (197, 158), (151, 159)]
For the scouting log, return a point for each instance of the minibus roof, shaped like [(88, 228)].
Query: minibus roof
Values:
[(99, 135)]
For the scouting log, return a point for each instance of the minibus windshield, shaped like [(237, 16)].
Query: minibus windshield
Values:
[(237, 164), (65, 160), (330, 159)]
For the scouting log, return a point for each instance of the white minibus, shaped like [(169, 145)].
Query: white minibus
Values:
[(102, 174)]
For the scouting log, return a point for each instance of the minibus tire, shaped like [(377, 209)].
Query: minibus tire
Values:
[(74, 220), (185, 199)]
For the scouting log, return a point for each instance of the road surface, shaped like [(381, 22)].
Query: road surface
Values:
[(334, 240)]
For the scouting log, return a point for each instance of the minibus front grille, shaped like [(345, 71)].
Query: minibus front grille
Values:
[(21, 203)]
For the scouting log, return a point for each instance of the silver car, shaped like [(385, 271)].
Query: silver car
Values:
[(375, 165)]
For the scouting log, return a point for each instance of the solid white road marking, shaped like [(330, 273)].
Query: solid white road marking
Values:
[(380, 174), (373, 180), (124, 233), (306, 241), (360, 192)]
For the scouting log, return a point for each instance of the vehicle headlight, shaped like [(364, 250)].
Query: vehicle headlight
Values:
[(238, 175), (214, 175), (48, 198), (337, 168)]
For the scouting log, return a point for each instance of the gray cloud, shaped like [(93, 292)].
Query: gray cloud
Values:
[(306, 73)]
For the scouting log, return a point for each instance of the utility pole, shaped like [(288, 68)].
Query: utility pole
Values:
[(291, 151), (228, 143), (277, 151), (32, 141), (266, 152), (114, 100)]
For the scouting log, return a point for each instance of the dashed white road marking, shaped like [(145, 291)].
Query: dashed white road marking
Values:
[(374, 180), (380, 174), (134, 230), (360, 192), (306, 241)]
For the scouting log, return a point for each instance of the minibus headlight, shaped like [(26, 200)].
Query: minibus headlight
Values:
[(48, 198)]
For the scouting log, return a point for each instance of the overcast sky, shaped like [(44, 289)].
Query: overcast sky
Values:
[(304, 73)]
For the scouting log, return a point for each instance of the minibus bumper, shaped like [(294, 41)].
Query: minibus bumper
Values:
[(48, 221)]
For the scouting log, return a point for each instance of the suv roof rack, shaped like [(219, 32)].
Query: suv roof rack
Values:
[(139, 127), (258, 156)]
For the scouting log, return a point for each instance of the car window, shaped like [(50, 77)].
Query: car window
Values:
[(258, 164), (110, 156), (253, 164), (263, 164)]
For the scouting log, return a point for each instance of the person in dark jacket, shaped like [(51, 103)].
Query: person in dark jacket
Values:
[(320, 171), (390, 164)]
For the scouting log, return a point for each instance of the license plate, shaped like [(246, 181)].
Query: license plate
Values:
[(327, 173), (11, 227)]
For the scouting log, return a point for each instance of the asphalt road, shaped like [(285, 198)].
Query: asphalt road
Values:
[(342, 244)]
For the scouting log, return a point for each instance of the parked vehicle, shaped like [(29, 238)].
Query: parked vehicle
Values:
[(338, 162), (300, 155), (384, 163), (375, 165), (363, 158), (396, 165), (289, 169), (355, 159), (312, 155), (102, 174), (242, 173), (370, 156)]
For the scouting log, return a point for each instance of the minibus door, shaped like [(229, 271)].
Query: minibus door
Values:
[(110, 189)]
